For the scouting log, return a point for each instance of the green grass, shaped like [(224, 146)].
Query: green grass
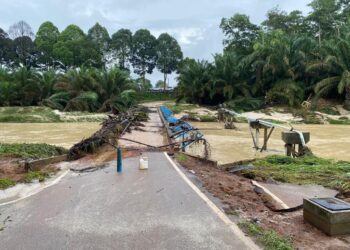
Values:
[(329, 110), (269, 238), (341, 121), (149, 96), (32, 151), (207, 118), (180, 107), (35, 175), (181, 157), (44, 114), (28, 114), (304, 170), (6, 183)]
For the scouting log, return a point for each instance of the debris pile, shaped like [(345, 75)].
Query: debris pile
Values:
[(112, 129)]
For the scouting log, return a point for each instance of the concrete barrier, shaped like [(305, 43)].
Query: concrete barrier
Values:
[(36, 165), (331, 222)]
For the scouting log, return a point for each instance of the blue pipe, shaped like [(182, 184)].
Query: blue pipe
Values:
[(119, 160)]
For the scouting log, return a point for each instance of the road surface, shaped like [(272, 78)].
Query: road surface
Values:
[(150, 209)]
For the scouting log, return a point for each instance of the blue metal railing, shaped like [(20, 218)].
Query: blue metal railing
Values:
[(180, 128)]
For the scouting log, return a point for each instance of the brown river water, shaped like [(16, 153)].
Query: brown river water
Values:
[(328, 141), (227, 146), (60, 134)]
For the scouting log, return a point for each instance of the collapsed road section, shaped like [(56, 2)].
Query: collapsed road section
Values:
[(181, 131)]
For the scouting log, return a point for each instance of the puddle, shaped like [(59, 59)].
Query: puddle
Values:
[(328, 141), (60, 134)]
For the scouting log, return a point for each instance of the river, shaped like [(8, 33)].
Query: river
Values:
[(60, 134), (328, 141)]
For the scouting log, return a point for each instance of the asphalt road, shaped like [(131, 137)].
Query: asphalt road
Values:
[(151, 209)]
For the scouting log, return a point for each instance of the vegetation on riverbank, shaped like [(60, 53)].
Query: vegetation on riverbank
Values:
[(269, 238), (6, 183), (304, 170), (31, 151), (286, 60), (33, 114)]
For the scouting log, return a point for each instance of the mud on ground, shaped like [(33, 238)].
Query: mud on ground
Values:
[(13, 169), (238, 193)]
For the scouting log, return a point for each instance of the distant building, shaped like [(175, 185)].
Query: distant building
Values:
[(155, 90)]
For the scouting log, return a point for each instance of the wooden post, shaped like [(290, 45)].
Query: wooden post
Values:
[(267, 139), (257, 133), (264, 147)]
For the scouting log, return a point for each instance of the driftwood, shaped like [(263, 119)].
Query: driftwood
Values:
[(111, 129)]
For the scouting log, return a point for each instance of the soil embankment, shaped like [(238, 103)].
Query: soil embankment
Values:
[(239, 195)]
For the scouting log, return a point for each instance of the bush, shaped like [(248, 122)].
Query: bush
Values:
[(286, 92), (244, 104), (32, 151), (6, 183)]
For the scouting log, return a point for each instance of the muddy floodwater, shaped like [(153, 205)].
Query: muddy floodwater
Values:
[(60, 134), (227, 146)]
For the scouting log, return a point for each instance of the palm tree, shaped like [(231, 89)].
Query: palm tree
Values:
[(27, 88), (194, 81), (334, 69), (279, 56), (46, 81), (115, 89), (82, 89), (228, 77)]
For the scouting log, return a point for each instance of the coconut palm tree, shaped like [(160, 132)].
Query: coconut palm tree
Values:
[(334, 69)]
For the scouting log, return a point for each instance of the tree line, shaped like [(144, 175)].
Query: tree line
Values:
[(71, 48), (288, 58), (74, 71)]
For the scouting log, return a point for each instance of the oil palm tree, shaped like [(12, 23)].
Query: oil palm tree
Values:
[(115, 89), (82, 89), (228, 77), (46, 81), (279, 56), (27, 88), (194, 81), (334, 69)]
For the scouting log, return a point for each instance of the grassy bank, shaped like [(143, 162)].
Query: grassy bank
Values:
[(303, 170), (32, 151), (152, 97), (13, 172), (269, 238), (39, 114)]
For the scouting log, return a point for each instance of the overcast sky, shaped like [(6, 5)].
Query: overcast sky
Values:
[(194, 23)]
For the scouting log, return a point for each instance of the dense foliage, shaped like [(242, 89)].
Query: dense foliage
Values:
[(84, 89), (287, 59), (71, 70)]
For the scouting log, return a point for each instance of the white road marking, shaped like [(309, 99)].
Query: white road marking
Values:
[(278, 200), (236, 230), (49, 183)]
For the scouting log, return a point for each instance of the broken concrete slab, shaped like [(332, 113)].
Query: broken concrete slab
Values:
[(292, 195)]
